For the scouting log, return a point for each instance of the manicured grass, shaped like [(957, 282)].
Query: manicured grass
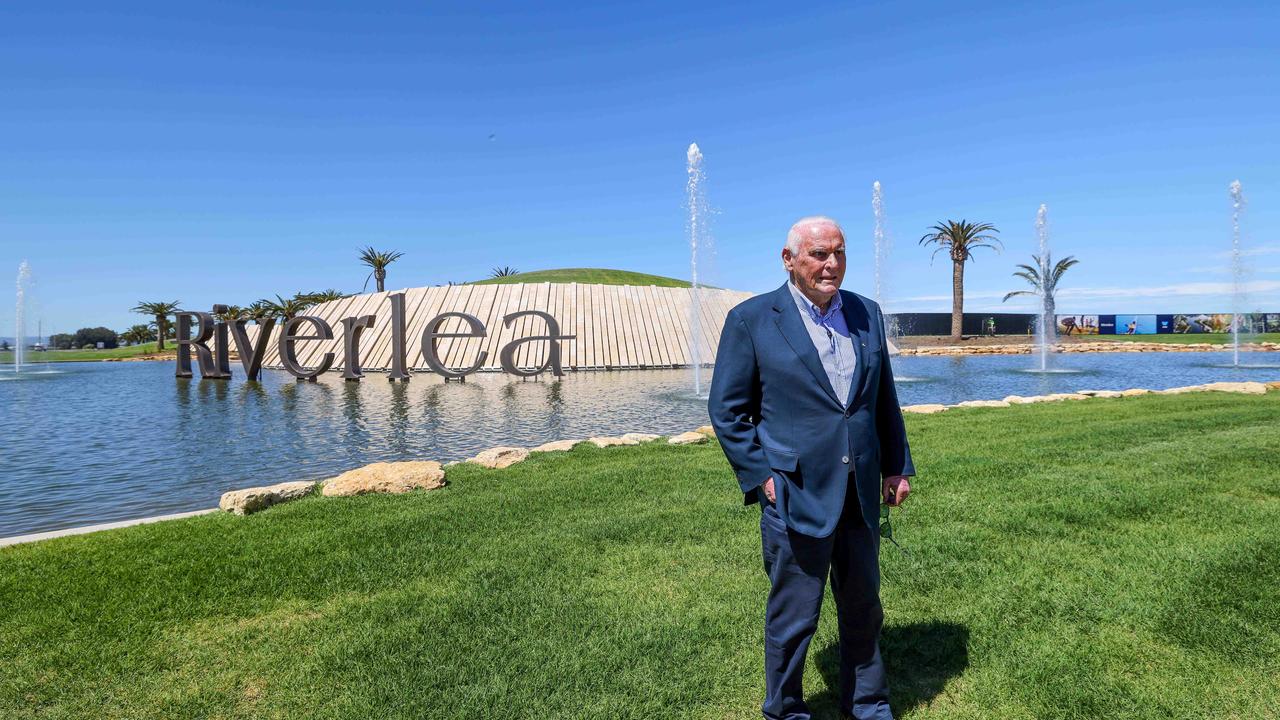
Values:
[(83, 355), (598, 276), (1096, 559)]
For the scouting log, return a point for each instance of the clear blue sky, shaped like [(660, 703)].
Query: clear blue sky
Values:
[(236, 150)]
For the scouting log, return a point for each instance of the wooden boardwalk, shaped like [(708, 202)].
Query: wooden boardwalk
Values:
[(615, 326)]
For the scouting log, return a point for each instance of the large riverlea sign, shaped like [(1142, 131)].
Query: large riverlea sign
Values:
[(522, 329)]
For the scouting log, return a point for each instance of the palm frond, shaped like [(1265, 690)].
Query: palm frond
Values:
[(1062, 266), (379, 259)]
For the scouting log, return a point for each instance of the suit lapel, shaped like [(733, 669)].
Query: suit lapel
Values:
[(855, 317), (787, 317)]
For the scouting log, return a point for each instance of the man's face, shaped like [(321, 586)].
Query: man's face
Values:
[(818, 269)]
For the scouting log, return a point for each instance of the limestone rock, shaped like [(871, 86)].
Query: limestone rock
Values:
[(707, 430), (1020, 400), (500, 457), (1273, 385), (243, 502), (386, 477), (556, 446), (1180, 390), (1101, 393), (1134, 392), (688, 438), (983, 403), (1066, 396), (1247, 388), (640, 437), (927, 409)]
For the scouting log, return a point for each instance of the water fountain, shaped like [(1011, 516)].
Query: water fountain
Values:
[(699, 242), (1237, 269), (882, 247), (1046, 327), (20, 330)]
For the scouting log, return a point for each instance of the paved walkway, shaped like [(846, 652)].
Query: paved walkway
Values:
[(34, 537)]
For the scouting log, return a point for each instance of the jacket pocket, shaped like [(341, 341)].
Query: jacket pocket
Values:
[(784, 460)]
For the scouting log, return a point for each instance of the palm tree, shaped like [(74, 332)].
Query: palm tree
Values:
[(283, 309), (960, 239), (161, 312), (257, 310), (503, 271), (138, 334), (1045, 285), (378, 260), (231, 314), (324, 296)]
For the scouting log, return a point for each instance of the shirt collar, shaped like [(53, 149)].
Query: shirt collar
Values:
[(818, 316)]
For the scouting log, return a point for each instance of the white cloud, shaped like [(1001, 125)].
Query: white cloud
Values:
[(1195, 289), (1268, 249), (1224, 270)]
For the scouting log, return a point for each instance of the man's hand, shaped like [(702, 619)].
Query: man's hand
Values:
[(768, 490), (895, 490)]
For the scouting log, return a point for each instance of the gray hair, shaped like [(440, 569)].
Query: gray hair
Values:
[(796, 233)]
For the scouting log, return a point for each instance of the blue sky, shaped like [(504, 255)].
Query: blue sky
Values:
[(230, 151)]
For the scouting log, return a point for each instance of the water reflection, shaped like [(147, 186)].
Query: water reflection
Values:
[(108, 441)]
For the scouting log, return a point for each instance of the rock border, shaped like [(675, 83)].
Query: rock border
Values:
[(1247, 387), (1098, 346)]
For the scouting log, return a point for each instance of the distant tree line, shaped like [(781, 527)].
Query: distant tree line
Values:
[(85, 338)]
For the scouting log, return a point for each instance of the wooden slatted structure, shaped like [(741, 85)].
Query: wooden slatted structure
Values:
[(615, 327)]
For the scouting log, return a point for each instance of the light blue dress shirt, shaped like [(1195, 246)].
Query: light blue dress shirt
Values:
[(831, 338)]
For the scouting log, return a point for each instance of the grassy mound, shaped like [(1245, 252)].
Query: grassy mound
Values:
[(1101, 559), (599, 276)]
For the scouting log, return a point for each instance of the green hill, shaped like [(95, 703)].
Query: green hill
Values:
[(599, 276)]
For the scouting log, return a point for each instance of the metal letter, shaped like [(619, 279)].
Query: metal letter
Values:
[(221, 352), (251, 355), (398, 370), (553, 337), (208, 366), (289, 357), (429, 337), (352, 328)]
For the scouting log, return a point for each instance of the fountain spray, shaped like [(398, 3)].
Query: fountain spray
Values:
[(882, 249), (1237, 268), (20, 329), (1046, 326), (698, 239)]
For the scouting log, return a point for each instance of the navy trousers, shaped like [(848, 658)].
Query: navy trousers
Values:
[(798, 566)]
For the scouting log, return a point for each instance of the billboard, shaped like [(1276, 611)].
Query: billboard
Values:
[(1202, 323), (1135, 324), (1253, 323), (1077, 324)]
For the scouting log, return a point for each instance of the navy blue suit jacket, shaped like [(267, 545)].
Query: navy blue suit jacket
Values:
[(776, 413)]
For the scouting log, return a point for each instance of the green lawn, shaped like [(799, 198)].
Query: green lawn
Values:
[(1186, 339), (599, 276), (83, 355), (1098, 559)]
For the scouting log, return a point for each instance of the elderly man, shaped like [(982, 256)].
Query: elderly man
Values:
[(805, 408)]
